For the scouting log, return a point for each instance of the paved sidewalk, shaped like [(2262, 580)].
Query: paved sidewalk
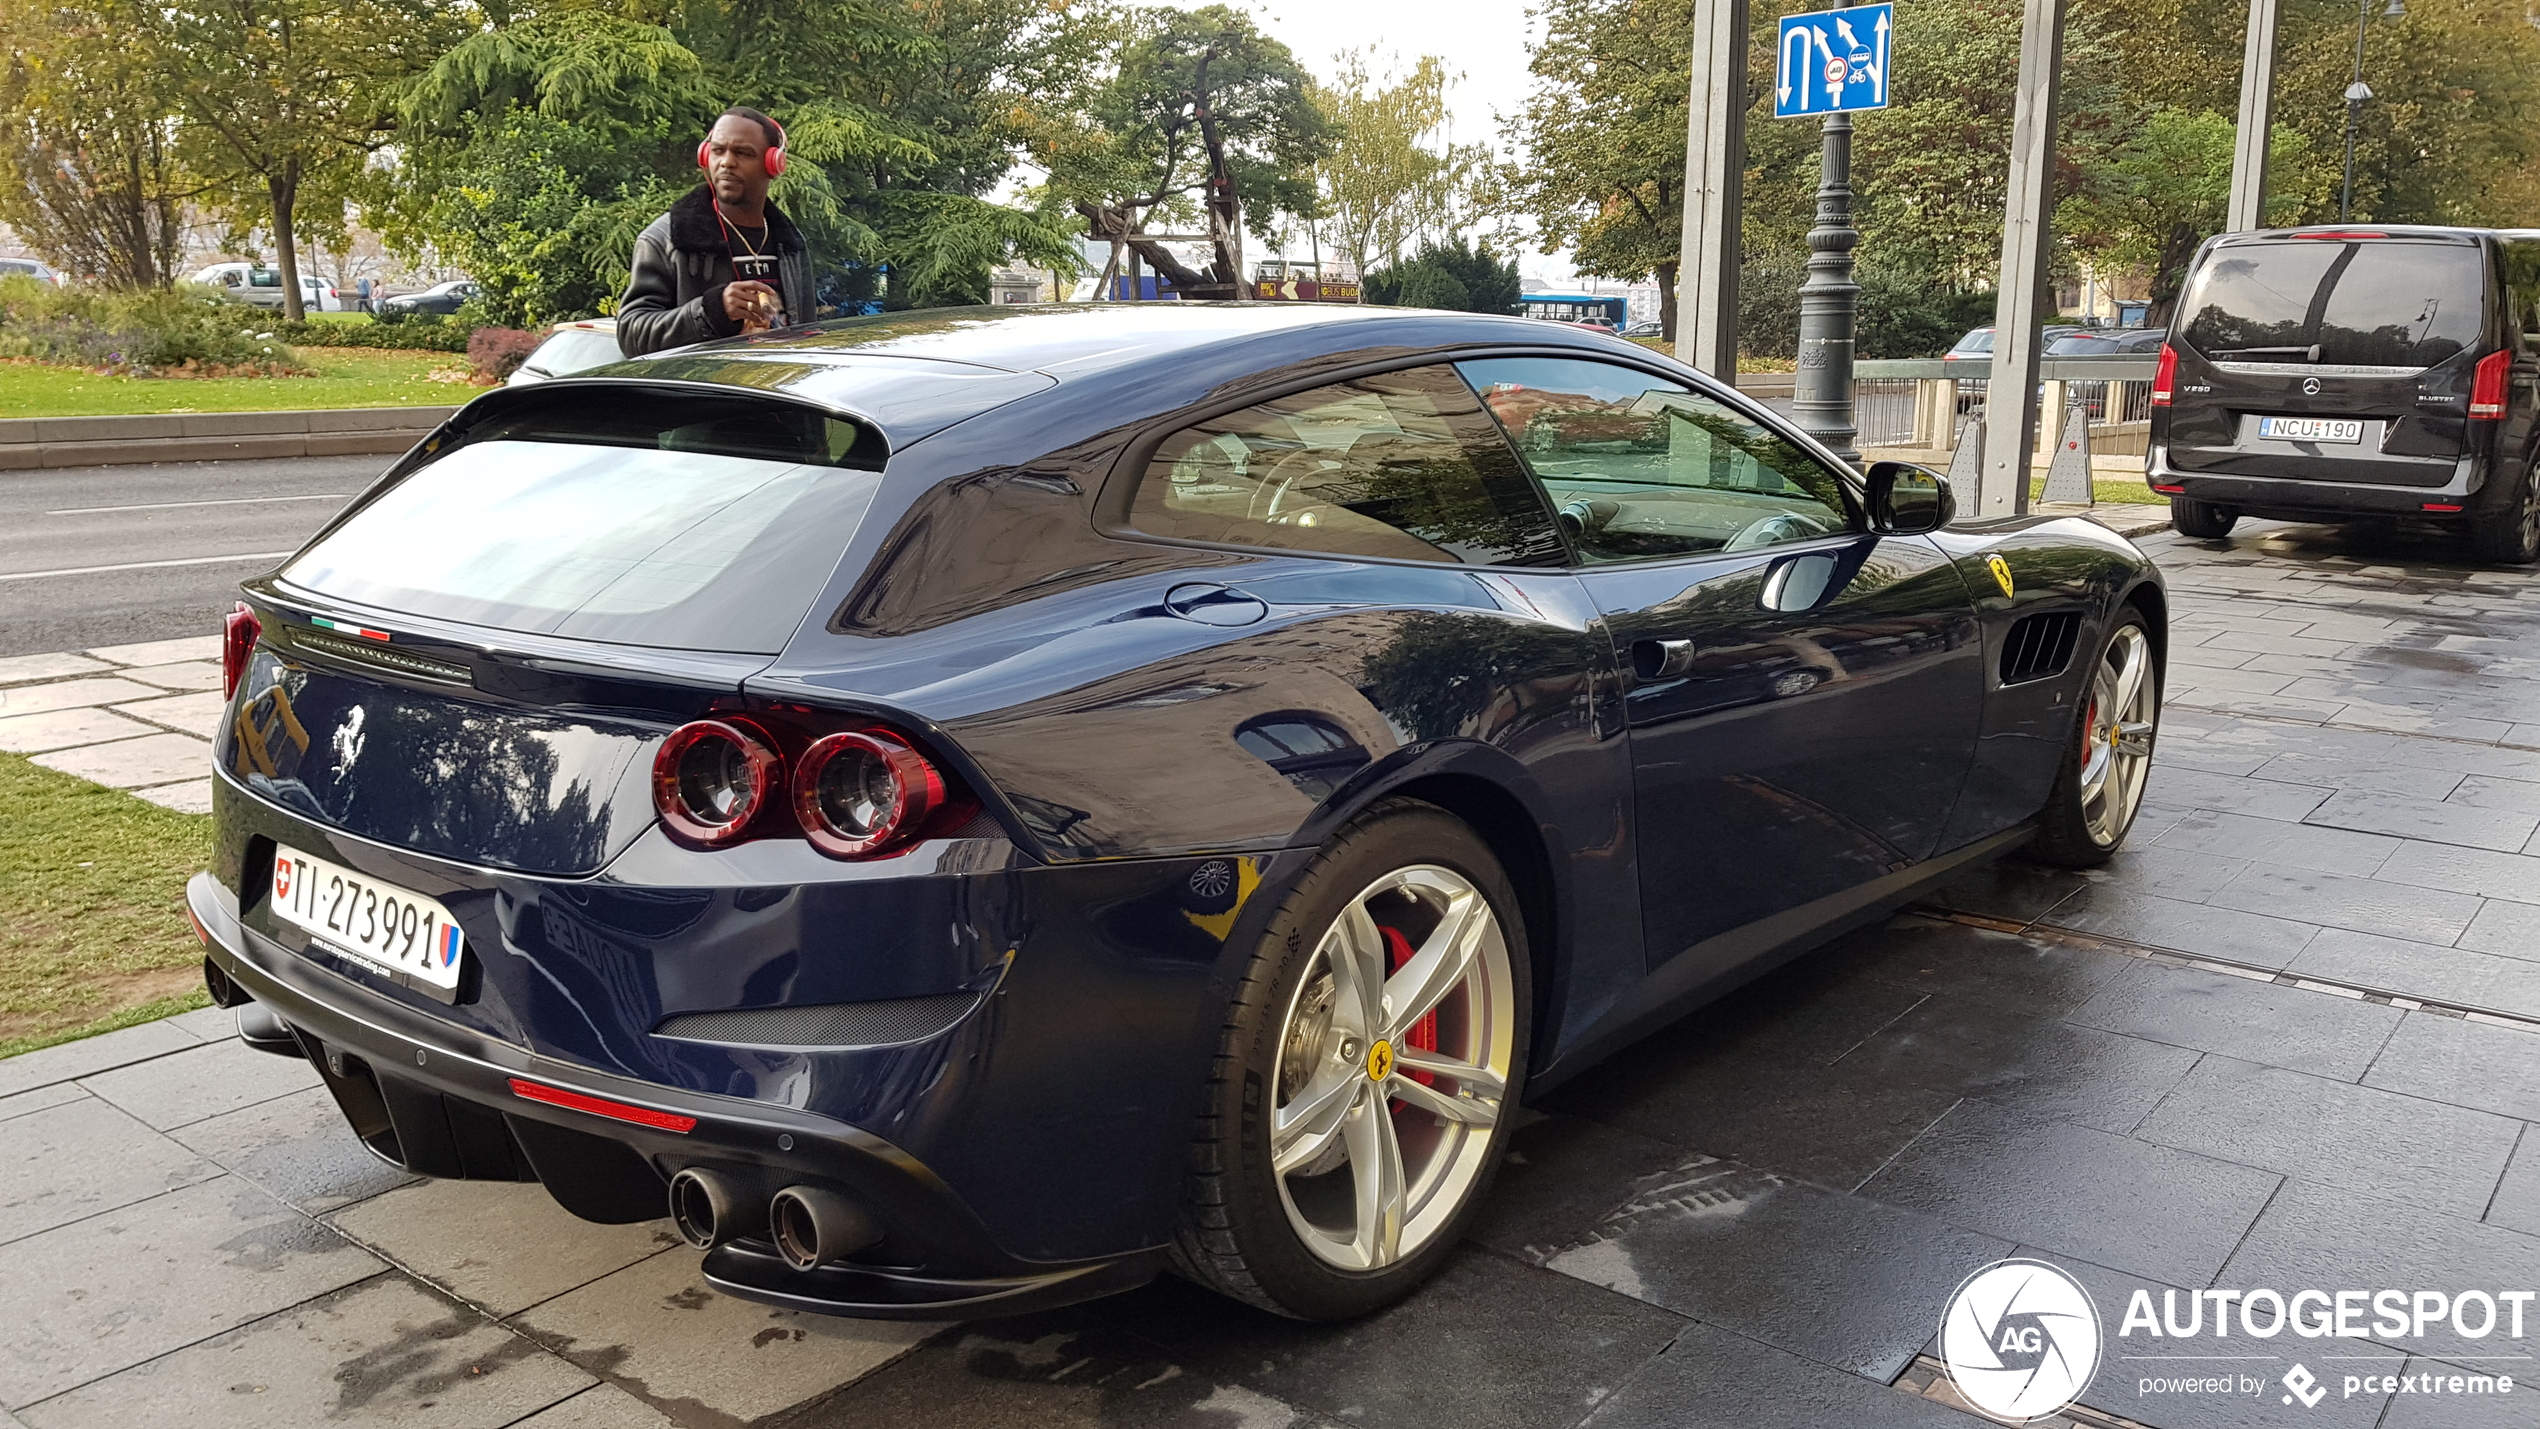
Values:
[(2290, 1038), (137, 717)]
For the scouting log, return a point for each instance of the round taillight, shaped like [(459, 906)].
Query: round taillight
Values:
[(710, 779), (856, 793)]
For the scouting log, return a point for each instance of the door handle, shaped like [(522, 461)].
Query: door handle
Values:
[(1661, 659)]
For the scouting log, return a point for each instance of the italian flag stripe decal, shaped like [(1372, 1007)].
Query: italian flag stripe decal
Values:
[(348, 629)]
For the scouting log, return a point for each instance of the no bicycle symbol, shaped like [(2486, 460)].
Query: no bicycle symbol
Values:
[(1833, 62)]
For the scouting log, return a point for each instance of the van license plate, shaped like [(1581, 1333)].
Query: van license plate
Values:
[(2309, 429), (354, 915)]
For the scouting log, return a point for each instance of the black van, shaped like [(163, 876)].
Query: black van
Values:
[(2370, 370)]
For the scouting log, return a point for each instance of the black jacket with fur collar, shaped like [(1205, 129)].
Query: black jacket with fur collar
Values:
[(674, 296)]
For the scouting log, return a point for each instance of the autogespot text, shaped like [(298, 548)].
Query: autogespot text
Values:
[(2387, 1317)]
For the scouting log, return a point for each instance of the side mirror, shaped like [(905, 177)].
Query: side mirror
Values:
[(1909, 500)]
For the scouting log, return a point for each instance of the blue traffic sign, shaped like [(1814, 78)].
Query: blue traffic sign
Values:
[(1833, 62)]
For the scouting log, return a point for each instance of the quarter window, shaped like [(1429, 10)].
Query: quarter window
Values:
[(1639, 468), (1401, 464)]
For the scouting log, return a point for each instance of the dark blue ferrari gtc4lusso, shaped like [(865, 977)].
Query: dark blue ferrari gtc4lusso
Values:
[(969, 810)]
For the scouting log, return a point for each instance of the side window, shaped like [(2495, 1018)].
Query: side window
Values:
[(1639, 468), (1401, 464)]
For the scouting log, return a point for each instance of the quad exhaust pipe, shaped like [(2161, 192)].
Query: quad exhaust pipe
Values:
[(810, 1225)]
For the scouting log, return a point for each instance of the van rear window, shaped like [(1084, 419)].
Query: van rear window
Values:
[(2377, 303)]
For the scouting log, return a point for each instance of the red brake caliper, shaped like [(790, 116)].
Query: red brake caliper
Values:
[(2089, 730), (1423, 1036)]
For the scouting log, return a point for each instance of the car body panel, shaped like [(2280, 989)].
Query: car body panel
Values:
[(1159, 735)]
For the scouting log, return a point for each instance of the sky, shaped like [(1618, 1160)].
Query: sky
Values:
[(1484, 41)]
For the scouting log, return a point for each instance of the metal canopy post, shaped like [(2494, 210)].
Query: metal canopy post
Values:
[(2010, 424), (2248, 206), (1715, 174)]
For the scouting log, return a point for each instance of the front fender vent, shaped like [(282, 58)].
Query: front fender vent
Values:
[(835, 1024), (2040, 646)]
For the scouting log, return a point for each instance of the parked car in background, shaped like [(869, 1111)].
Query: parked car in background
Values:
[(1977, 345), (2356, 371), (570, 347), (1651, 328), (2104, 342), (441, 299), (31, 268), (259, 286), (967, 810)]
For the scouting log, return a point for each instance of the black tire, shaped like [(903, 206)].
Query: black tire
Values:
[(2065, 837), (1235, 1236), (2201, 519), (2507, 533)]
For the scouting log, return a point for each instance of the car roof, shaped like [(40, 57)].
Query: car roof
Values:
[(914, 373)]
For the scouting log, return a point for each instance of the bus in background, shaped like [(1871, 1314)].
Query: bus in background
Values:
[(1607, 313)]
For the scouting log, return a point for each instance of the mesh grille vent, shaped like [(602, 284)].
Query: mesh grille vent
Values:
[(836, 1024), (2040, 646)]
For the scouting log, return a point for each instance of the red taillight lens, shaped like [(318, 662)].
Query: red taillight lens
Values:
[(2487, 386), (2165, 379), (859, 792), (239, 631), (711, 779)]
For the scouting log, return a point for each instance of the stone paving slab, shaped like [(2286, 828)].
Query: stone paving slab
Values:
[(63, 729), (152, 759), (501, 1246), (69, 694), (195, 714), (72, 1161), (104, 1294), (185, 675), (178, 1090), (160, 652), (382, 1352)]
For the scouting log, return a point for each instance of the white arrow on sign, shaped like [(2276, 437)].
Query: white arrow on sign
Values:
[(1799, 33), (1878, 72), (1834, 76)]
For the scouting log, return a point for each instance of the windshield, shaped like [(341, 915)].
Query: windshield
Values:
[(686, 549), (575, 349), (2365, 304)]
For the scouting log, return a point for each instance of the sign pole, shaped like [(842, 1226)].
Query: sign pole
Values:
[(1829, 303), (1715, 174), (2010, 404), (2248, 206)]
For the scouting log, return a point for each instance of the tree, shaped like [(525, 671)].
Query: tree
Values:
[(88, 171), (538, 147), (2166, 188), (284, 100), (1385, 188), (1196, 117), (1453, 276), (1604, 137)]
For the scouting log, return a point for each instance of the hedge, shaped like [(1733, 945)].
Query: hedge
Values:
[(412, 335)]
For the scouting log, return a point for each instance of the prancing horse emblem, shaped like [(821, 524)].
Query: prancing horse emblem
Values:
[(2001, 573)]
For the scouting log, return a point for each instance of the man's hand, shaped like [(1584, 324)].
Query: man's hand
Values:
[(749, 302)]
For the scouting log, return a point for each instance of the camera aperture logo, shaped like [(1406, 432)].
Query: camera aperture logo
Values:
[(2021, 1339)]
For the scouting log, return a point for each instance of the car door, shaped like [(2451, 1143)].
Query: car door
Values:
[(1802, 694)]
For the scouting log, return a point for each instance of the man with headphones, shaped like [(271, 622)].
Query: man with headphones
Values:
[(723, 260)]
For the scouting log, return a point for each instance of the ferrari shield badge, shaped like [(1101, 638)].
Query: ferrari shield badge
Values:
[(2001, 573)]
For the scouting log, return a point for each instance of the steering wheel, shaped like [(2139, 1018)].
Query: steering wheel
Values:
[(1771, 530)]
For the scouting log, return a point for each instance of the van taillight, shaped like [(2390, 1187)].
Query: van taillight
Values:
[(239, 631), (2166, 378), (2487, 386)]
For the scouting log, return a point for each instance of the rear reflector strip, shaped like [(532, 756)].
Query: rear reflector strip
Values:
[(348, 629), (615, 1111), (2171, 490), (2439, 506)]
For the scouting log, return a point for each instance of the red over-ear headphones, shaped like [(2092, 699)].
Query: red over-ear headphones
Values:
[(774, 158)]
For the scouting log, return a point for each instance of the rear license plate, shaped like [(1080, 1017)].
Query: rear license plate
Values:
[(2310, 429), (354, 915)]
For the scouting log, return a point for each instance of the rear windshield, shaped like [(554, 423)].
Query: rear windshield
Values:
[(688, 543), (575, 349), (2366, 304)]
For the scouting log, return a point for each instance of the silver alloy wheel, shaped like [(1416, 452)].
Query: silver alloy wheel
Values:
[(1390, 1078), (2116, 750)]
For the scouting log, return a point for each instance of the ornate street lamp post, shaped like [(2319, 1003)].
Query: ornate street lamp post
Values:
[(2356, 94), (1829, 304)]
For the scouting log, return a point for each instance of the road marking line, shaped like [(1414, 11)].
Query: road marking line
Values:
[(143, 566), (174, 505)]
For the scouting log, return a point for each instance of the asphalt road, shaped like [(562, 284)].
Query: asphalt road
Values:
[(110, 555)]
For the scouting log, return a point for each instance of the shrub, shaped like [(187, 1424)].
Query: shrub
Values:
[(157, 332), (1443, 275), (496, 352), (423, 334)]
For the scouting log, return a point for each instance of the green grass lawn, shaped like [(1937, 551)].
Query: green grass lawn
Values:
[(347, 377), (93, 932), (2124, 490)]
